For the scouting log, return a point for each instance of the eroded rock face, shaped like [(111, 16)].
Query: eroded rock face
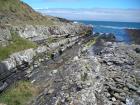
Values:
[(5, 36), (19, 58), (14, 68), (21, 64), (26, 56), (40, 32)]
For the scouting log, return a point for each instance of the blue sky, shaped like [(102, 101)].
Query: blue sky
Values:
[(84, 3), (104, 10)]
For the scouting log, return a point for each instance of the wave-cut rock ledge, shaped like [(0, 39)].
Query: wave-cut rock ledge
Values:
[(108, 77)]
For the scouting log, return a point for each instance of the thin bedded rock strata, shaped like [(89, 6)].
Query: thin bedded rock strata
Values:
[(18, 65)]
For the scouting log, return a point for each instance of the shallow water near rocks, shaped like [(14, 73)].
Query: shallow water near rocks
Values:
[(117, 28)]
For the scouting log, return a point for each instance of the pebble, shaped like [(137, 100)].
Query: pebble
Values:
[(118, 80), (33, 81), (54, 71), (125, 88), (116, 95), (122, 94), (109, 63), (113, 99), (41, 60), (137, 50), (130, 86), (28, 71), (75, 58), (88, 84), (51, 91), (107, 94), (36, 66), (138, 91)]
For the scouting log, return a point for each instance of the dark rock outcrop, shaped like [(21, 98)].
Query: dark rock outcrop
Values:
[(135, 34)]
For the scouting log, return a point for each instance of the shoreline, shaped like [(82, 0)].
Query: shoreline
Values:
[(88, 73)]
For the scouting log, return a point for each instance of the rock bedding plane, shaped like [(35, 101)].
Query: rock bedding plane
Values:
[(25, 58), (106, 75)]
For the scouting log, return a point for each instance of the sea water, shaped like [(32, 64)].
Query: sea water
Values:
[(117, 28)]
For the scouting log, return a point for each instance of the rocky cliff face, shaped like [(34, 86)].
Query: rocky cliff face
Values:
[(5, 36), (39, 32), (51, 40), (66, 35), (52, 36)]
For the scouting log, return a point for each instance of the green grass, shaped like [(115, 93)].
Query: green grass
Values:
[(8, 4), (18, 13), (19, 94), (17, 44)]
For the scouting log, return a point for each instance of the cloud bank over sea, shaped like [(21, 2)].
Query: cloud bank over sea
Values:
[(98, 14)]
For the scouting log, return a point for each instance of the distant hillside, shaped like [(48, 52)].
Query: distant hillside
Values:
[(17, 12)]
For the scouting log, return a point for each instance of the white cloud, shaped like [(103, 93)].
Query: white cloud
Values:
[(101, 14)]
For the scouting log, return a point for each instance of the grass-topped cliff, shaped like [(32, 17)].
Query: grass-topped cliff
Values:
[(17, 12), (17, 44)]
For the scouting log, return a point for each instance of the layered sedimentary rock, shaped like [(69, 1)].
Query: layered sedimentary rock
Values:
[(30, 31), (65, 35)]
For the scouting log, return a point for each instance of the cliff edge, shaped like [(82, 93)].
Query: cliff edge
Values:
[(27, 40)]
